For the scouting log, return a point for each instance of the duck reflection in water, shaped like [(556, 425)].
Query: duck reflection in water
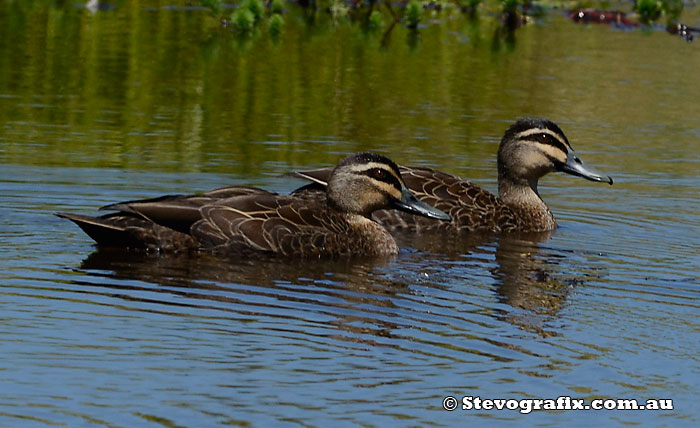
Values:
[(252, 288), (444, 263), (523, 271)]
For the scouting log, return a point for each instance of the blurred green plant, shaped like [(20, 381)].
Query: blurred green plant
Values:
[(256, 7), (673, 9), (243, 20), (214, 5), (276, 6), (338, 9), (376, 20), (413, 13), (469, 6), (649, 10), (274, 25), (510, 6)]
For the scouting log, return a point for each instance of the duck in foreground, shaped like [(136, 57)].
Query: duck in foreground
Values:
[(530, 149), (241, 219)]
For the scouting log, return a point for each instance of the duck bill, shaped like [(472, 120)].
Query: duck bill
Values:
[(575, 166), (410, 204)]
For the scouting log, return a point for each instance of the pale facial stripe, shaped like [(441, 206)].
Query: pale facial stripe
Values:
[(535, 131), (373, 165), (556, 148), (389, 186)]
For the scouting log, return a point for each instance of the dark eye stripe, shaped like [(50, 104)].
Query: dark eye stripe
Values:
[(551, 141), (388, 177)]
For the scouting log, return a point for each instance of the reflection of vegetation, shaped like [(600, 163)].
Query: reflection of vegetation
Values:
[(172, 90), (243, 20), (469, 6), (370, 12), (414, 10), (275, 24), (276, 6), (376, 20), (251, 13), (651, 10), (214, 5)]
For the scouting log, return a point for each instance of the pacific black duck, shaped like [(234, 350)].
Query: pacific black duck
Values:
[(244, 219), (530, 149)]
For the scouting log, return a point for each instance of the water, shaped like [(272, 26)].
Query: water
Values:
[(147, 99)]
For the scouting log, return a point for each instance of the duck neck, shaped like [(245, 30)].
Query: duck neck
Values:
[(521, 194), (371, 236)]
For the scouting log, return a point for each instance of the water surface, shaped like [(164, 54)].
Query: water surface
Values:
[(148, 99)]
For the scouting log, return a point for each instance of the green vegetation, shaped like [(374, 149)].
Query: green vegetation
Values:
[(275, 24), (214, 5), (243, 20), (414, 10), (510, 6), (316, 75), (370, 14), (651, 11), (277, 6), (469, 6), (376, 20), (338, 9), (256, 7)]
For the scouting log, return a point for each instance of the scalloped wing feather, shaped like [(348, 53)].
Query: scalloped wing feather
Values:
[(280, 224)]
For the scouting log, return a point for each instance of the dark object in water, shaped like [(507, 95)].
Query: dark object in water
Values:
[(597, 16), (686, 32)]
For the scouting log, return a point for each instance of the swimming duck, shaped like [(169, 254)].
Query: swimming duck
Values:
[(242, 219), (529, 149)]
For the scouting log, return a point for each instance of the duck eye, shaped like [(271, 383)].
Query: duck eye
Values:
[(379, 174), (544, 138)]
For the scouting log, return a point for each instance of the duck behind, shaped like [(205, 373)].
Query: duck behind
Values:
[(529, 149)]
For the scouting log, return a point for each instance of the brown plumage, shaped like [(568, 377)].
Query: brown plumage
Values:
[(529, 149), (242, 220)]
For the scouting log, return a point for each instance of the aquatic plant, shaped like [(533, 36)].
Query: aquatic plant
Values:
[(413, 13), (243, 20), (468, 6), (510, 6), (256, 7), (649, 10), (673, 9), (214, 5), (338, 9), (276, 6), (274, 25), (376, 20)]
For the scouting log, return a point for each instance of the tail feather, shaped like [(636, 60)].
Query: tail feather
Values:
[(108, 231)]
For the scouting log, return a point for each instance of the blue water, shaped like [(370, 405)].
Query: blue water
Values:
[(604, 307), (127, 339)]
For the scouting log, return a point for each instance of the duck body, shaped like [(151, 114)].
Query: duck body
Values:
[(472, 208), (241, 220), (530, 149)]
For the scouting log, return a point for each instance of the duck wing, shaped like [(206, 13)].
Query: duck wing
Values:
[(179, 212), (280, 224), (161, 223), (127, 230), (471, 207)]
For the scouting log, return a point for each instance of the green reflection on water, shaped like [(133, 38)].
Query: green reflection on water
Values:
[(150, 87)]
